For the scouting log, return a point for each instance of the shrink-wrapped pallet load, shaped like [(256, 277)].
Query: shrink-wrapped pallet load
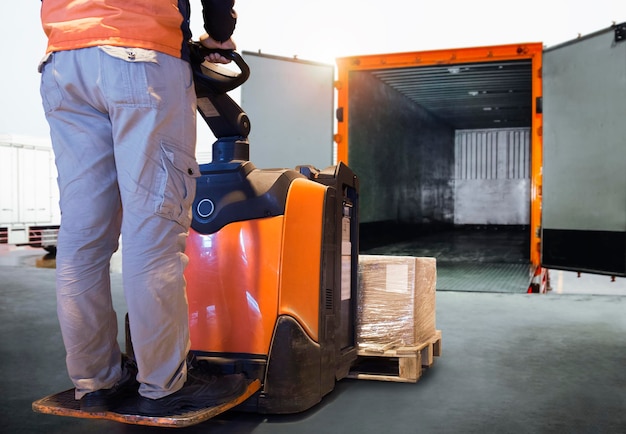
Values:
[(396, 304)]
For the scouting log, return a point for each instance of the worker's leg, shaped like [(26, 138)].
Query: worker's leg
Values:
[(152, 108), (90, 225)]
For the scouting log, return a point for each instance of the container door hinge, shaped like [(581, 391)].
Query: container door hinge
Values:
[(620, 32), (339, 114), (539, 105)]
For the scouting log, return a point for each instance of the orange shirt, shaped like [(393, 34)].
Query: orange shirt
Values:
[(161, 25)]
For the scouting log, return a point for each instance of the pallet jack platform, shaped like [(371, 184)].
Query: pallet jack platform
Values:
[(64, 404)]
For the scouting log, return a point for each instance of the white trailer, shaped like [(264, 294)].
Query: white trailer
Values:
[(29, 197)]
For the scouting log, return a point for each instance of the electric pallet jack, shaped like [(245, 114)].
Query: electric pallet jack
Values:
[(272, 272)]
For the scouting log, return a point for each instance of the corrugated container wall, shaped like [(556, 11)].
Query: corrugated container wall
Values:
[(405, 155), (492, 177)]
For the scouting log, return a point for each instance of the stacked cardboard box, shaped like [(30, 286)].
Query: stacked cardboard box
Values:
[(396, 303)]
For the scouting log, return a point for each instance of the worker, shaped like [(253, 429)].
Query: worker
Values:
[(118, 94)]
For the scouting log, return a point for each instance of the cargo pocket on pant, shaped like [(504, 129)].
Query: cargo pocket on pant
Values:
[(178, 184), (49, 89)]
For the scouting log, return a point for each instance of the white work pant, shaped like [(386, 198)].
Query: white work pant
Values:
[(123, 129)]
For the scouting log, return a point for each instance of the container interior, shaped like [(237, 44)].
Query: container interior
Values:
[(443, 157)]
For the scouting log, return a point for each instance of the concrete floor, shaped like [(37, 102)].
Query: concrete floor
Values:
[(511, 363)]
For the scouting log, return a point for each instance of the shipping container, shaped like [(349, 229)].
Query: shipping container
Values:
[(447, 145), (501, 161), (29, 210)]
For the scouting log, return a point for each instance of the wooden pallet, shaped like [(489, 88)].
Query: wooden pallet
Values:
[(399, 364), (45, 262)]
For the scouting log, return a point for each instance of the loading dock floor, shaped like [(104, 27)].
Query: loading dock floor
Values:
[(519, 363)]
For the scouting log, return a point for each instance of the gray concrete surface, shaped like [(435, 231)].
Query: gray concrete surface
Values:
[(511, 363)]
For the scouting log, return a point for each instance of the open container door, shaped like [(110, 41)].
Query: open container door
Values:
[(584, 167), (290, 102)]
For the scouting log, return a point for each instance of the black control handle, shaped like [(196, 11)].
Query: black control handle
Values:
[(214, 77)]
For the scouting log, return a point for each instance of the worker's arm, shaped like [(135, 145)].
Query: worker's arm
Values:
[(219, 22), (219, 18)]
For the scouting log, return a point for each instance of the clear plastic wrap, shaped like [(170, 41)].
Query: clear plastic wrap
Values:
[(396, 301)]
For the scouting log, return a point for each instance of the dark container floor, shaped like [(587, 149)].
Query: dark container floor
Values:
[(476, 259)]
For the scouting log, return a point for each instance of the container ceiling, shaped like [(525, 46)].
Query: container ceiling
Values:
[(469, 96)]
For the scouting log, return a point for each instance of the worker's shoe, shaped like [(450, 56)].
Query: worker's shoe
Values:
[(108, 399), (197, 393)]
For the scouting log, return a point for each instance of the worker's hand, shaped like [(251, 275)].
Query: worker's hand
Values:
[(209, 42)]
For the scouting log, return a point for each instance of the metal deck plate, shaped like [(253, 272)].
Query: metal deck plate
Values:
[(483, 277)]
